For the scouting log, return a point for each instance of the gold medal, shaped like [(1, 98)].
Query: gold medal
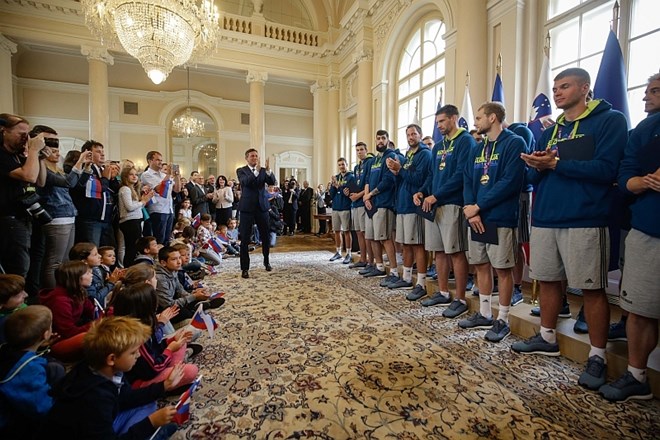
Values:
[(484, 179), (441, 166)]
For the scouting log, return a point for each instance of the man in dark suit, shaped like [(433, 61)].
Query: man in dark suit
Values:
[(304, 212), (254, 206), (197, 194)]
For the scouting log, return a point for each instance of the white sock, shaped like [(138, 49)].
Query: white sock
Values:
[(600, 352), (461, 300), (446, 295), (504, 313), (394, 272), (638, 373), (484, 306), (380, 266), (348, 254), (421, 279), (407, 273), (549, 335), (339, 250)]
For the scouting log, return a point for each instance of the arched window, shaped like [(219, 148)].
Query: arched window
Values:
[(420, 79)]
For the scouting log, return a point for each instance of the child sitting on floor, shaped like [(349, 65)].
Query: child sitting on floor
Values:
[(12, 298), (147, 248), (95, 401), (101, 285), (26, 376)]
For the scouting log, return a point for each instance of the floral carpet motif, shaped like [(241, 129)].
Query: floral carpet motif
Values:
[(314, 351)]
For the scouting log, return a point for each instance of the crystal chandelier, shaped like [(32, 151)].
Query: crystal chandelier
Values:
[(161, 34), (187, 125)]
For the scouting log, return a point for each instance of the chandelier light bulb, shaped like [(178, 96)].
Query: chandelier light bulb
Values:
[(156, 76)]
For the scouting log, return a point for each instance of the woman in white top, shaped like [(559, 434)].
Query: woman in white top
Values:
[(130, 210), (223, 197)]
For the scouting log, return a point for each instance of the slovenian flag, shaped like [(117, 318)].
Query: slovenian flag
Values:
[(214, 244), (163, 188), (197, 220), (222, 240), (541, 113), (183, 405), (94, 188), (203, 321), (216, 295)]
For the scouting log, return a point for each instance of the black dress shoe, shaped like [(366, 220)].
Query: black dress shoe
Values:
[(245, 274), (269, 268)]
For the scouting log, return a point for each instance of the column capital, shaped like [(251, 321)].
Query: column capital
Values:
[(7, 45), (362, 55), (256, 76), (97, 53), (316, 87)]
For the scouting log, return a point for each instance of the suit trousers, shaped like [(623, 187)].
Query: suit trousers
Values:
[(248, 219)]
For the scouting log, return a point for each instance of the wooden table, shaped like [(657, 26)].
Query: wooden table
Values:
[(328, 225)]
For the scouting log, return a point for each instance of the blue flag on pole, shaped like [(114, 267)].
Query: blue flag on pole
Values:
[(611, 83), (437, 136), (540, 116), (498, 90)]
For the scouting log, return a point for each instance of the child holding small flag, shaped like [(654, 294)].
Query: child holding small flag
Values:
[(209, 248)]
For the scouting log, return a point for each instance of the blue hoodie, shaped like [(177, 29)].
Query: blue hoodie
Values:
[(340, 202), (577, 193), (646, 207), (446, 181), (415, 168), (359, 172), (499, 198), (521, 129), (379, 176)]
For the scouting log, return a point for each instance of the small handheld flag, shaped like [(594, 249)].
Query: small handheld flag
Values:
[(197, 220), (215, 244), (98, 310), (203, 321), (183, 405), (163, 188)]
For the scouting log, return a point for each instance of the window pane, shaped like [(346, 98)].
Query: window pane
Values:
[(430, 51), (429, 102), (564, 42), (591, 65), (645, 17), (636, 105), (642, 63), (401, 142), (440, 69), (414, 83), (403, 113), (427, 125), (429, 76), (556, 7), (432, 30), (404, 68), (595, 29), (403, 89)]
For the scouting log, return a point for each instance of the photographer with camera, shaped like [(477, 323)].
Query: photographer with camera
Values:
[(57, 236), (94, 197), (20, 171)]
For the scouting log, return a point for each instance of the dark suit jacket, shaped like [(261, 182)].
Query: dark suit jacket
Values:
[(254, 196), (198, 200)]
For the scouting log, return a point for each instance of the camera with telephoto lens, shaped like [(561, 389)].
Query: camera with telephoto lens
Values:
[(30, 202)]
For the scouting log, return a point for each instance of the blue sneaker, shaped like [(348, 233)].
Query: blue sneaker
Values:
[(375, 273), (617, 331), (455, 309), (336, 257), (366, 269), (416, 293), (436, 299), (400, 283), (389, 280), (475, 291), (580, 325), (593, 377), (517, 296), (536, 345), (565, 311), (470, 283), (626, 388), (476, 321), (498, 332), (431, 272), (358, 265)]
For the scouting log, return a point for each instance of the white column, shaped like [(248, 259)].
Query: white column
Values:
[(98, 59), (257, 80), (319, 159), (364, 59), (334, 140), (7, 47)]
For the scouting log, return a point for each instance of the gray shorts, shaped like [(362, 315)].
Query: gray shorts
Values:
[(524, 219), (501, 255), (447, 233), (341, 220), (641, 277), (409, 229), (382, 225), (358, 218), (578, 255)]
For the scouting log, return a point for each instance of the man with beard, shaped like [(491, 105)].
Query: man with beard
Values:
[(411, 176), (446, 235), (492, 182), (379, 192)]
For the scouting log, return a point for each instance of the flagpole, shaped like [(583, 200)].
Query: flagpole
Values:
[(498, 66), (467, 79), (615, 19)]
